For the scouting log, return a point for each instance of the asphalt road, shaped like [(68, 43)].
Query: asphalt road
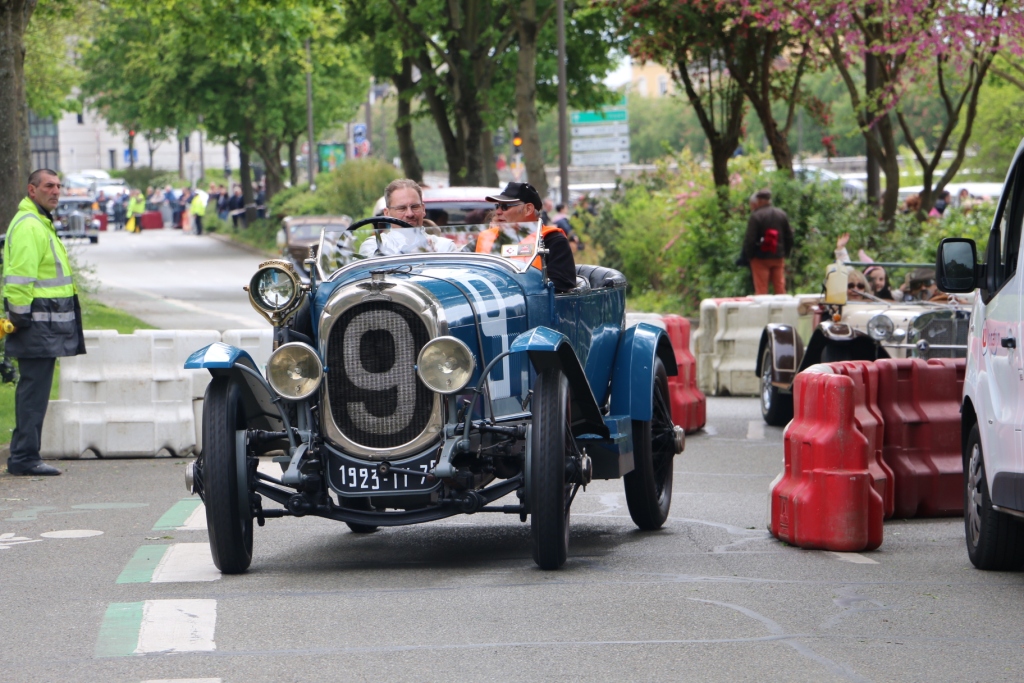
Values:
[(711, 597), (173, 281)]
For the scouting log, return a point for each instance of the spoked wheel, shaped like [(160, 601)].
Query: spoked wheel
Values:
[(549, 494), (776, 407), (649, 485), (994, 540), (226, 477)]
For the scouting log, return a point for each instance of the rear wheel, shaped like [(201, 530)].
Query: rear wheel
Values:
[(776, 407), (226, 478), (548, 492), (649, 485), (994, 540)]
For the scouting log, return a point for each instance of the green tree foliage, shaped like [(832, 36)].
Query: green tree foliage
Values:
[(51, 74), (351, 189)]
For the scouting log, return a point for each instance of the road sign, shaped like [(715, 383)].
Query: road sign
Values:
[(596, 144), (592, 130), (607, 115), (600, 158)]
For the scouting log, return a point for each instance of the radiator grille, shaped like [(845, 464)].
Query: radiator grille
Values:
[(377, 400), (943, 331)]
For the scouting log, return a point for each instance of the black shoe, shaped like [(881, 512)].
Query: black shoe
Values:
[(40, 470)]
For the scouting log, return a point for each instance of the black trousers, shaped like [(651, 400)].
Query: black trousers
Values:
[(31, 398), (199, 224)]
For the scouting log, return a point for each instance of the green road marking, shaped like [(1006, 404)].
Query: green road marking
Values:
[(140, 568), (119, 633), (29, 514), (178, 513)]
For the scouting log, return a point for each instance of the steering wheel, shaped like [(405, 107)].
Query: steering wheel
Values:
[(376, 231)]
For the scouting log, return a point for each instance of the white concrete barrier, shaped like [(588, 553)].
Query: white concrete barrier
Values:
[(128, 395), (257, 343), (737, 336), (649, 318)]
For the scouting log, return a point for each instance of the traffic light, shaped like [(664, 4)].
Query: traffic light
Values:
[(517, 141)]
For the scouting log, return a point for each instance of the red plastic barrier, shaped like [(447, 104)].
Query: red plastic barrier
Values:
[(689, 405), (152, 220), (868, 419), (826, 498), (102, 218), (920, 404)]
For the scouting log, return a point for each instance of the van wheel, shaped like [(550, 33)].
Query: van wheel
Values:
[(994, 540)]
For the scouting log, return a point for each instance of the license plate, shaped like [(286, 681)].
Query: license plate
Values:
[(353, 476)]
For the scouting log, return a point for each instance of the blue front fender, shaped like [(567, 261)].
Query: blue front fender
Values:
[(633, 375), (218, 355), (550, 349)]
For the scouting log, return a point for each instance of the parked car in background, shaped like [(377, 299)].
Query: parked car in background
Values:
[(75, 218), (853, 188), (431, 379), (299, 233), (992, 412)]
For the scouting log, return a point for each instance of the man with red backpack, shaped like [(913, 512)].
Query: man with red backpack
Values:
[(768, 242)]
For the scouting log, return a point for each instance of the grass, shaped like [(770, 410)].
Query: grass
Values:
[(262, 234), (95, 316)]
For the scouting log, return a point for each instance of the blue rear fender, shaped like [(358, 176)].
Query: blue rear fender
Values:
[(550, 349), (633, 373)]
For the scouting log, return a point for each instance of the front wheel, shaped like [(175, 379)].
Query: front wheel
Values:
[(994, 540), (226, 478), (649, 485), (548, 491), (776, 407)]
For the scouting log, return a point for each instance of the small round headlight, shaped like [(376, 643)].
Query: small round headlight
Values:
[(295, 371), (273, 288), (445, 365), (880, 327)]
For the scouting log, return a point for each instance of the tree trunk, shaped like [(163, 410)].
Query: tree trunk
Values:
[(14, 16), (453, 152), (471, 128), (721, 152), (490, 170), (245, 173), (181, 157), (293, 164), (270, 151), (526, 98), (403, 123), (890, 163), (150, 148)]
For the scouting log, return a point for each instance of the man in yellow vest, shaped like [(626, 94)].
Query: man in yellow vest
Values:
[(198, 208), (136, 207), (40, 301)]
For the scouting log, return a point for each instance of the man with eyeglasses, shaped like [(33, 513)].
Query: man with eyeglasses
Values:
[(403, 199), (521, 203)]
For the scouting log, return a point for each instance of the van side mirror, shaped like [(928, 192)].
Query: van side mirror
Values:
[(956, 265)]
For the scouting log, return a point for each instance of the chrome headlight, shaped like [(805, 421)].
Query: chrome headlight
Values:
[(295, 371), (445, 365), (275, 290), (880, 327)]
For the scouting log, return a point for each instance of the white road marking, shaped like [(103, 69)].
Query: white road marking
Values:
[(710, 430), (71, 533), (183, 680), (8, 540), (177, 626), (856, 558), (185, 562), (755, 430), (196, 521)]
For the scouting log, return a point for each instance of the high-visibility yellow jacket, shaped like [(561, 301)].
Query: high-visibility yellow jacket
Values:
[(39, 294), (198, 207), (136, 205)]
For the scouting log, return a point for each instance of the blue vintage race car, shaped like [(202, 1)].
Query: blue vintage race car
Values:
[(431, 378)]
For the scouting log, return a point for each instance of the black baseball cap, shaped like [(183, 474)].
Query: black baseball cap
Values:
[(518, 192)]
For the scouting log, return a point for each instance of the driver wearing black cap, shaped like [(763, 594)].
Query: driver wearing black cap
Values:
[(520, 203)]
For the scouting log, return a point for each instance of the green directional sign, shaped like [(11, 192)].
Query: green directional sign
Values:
[(599, 116)]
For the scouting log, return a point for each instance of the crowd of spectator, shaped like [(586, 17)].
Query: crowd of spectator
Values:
[(174, 204)]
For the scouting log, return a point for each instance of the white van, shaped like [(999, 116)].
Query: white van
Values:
[(993, 400)]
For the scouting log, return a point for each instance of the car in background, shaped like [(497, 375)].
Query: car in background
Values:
[(299, 233), (865, 328), (76, 218), (453, 205), (852, 188)]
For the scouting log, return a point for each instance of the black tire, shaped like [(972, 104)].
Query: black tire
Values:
[(649, 485), (359, 504), (94, 239), (776, 407), (994, 540), (548, 490), (230, 529)]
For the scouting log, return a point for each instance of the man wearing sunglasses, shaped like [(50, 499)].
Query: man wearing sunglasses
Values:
[(521, 203)]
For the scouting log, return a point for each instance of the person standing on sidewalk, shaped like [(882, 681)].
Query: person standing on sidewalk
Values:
[(136, 207), (198, 210), (41, 302), (767, 244)]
